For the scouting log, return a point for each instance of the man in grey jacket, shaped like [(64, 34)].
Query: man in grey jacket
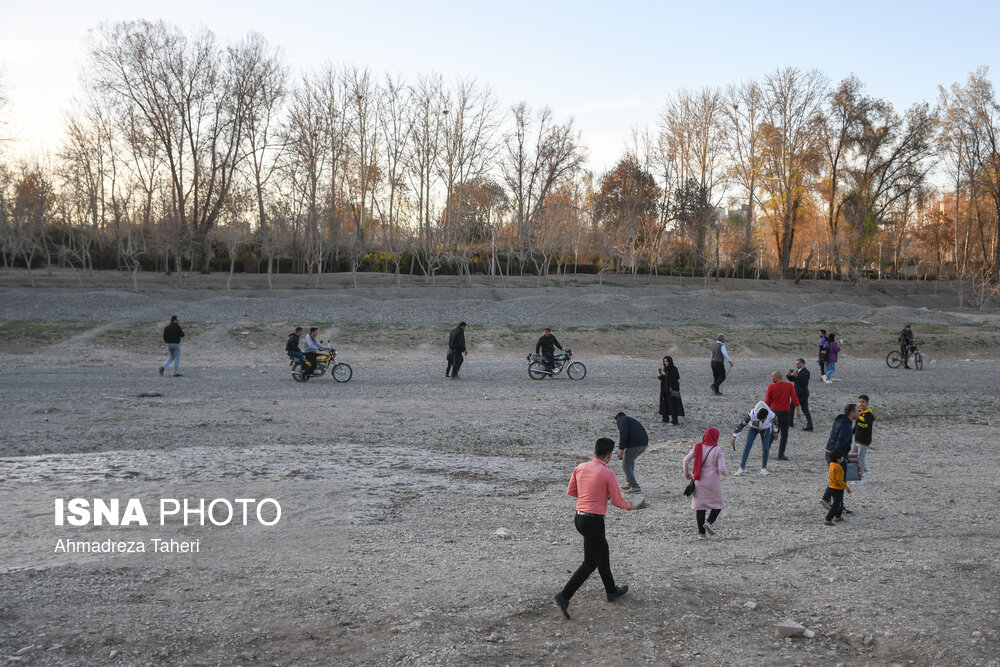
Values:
[(719, 357)]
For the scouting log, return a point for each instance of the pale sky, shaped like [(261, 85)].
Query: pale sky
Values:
[(609, 66)]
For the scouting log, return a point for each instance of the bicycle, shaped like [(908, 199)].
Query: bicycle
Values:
[(895, 359)]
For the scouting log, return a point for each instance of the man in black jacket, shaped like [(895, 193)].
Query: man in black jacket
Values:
[(292, 348), (456, 348), (547, 345), (172, 335), (840, 439), (906, 344), (632, 441), (800, 377)]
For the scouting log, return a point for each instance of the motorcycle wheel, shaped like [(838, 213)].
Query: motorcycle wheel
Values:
[(342, 372), (298, 375), (537, 371), (894, 359), (576, 371)]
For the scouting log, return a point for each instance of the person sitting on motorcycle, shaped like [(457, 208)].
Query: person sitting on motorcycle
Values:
[(906, 344), (292, 346), (547, 345), (312, 346)]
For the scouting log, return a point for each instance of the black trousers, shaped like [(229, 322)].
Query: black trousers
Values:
[(784, 419), (454, 363), (822, 367), (699, 516), (718, 374), (596, 555), (804, 404), (837, 508), (827, 495)]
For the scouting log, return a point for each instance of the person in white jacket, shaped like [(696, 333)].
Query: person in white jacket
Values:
[(760, 421)]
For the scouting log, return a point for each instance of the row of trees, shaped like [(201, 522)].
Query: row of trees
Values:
[(183, 151)]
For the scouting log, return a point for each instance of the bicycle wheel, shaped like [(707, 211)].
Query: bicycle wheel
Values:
[(918, 361), (576, 371), (894, 359), (537, 370), (342, 372)]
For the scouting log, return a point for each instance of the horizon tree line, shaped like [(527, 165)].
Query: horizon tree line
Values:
[(185, 154)]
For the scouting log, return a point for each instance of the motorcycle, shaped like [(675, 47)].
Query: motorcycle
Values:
[(538, 368), (326, 358)]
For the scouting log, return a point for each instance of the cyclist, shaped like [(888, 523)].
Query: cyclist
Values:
[(906, 345)]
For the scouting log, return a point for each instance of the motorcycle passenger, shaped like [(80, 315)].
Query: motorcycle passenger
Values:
[(546, 345), (906, 344), (312, 346), (292, 346)]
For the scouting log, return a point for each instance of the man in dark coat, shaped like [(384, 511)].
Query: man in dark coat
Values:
[(547, 345), (800, 377), (456, 350), (840, 439), (632, 441), (172, 335)]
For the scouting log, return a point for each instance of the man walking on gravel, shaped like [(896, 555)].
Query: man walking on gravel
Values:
[(172, 335), (800, 377), (593, 484), (632, 441), (456, 350), (780, 397), (719, 357)]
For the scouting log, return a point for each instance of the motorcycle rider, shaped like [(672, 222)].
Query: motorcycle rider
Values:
[(311, 346), (292, 346), (546, 345), (906, 344)]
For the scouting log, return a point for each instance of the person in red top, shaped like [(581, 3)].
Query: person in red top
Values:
[(780, 397), (593, 484)]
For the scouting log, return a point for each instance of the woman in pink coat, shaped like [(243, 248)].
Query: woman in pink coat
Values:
[(708, 464)]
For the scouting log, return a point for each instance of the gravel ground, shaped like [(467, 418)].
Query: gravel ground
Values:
[(393, 485)]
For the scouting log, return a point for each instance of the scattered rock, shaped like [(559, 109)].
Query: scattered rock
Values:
[(788, 628), (29, 647), (751, 605), (493, 638), (502, 533), (252, 345), (150, 394)]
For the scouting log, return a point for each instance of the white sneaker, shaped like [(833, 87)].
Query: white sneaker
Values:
[(827, 380), (739, 473), (763, 471)]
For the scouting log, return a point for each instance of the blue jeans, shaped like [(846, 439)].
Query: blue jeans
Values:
[(175, 356), (831, 366), (765, 443), (628, 464)]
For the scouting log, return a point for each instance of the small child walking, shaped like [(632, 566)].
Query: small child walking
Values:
[(837, 486)]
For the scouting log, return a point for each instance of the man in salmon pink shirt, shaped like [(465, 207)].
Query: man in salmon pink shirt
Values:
[(780, 397), (593, 484)]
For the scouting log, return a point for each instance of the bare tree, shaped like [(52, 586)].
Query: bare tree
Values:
[(974, 114), (192, 97), (743, 109), (265, 95), (790, 134), (539, 153)]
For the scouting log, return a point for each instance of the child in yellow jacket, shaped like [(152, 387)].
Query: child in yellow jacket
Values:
[(837, 487)]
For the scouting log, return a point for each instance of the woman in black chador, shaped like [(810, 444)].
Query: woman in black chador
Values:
[(670, 392)]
